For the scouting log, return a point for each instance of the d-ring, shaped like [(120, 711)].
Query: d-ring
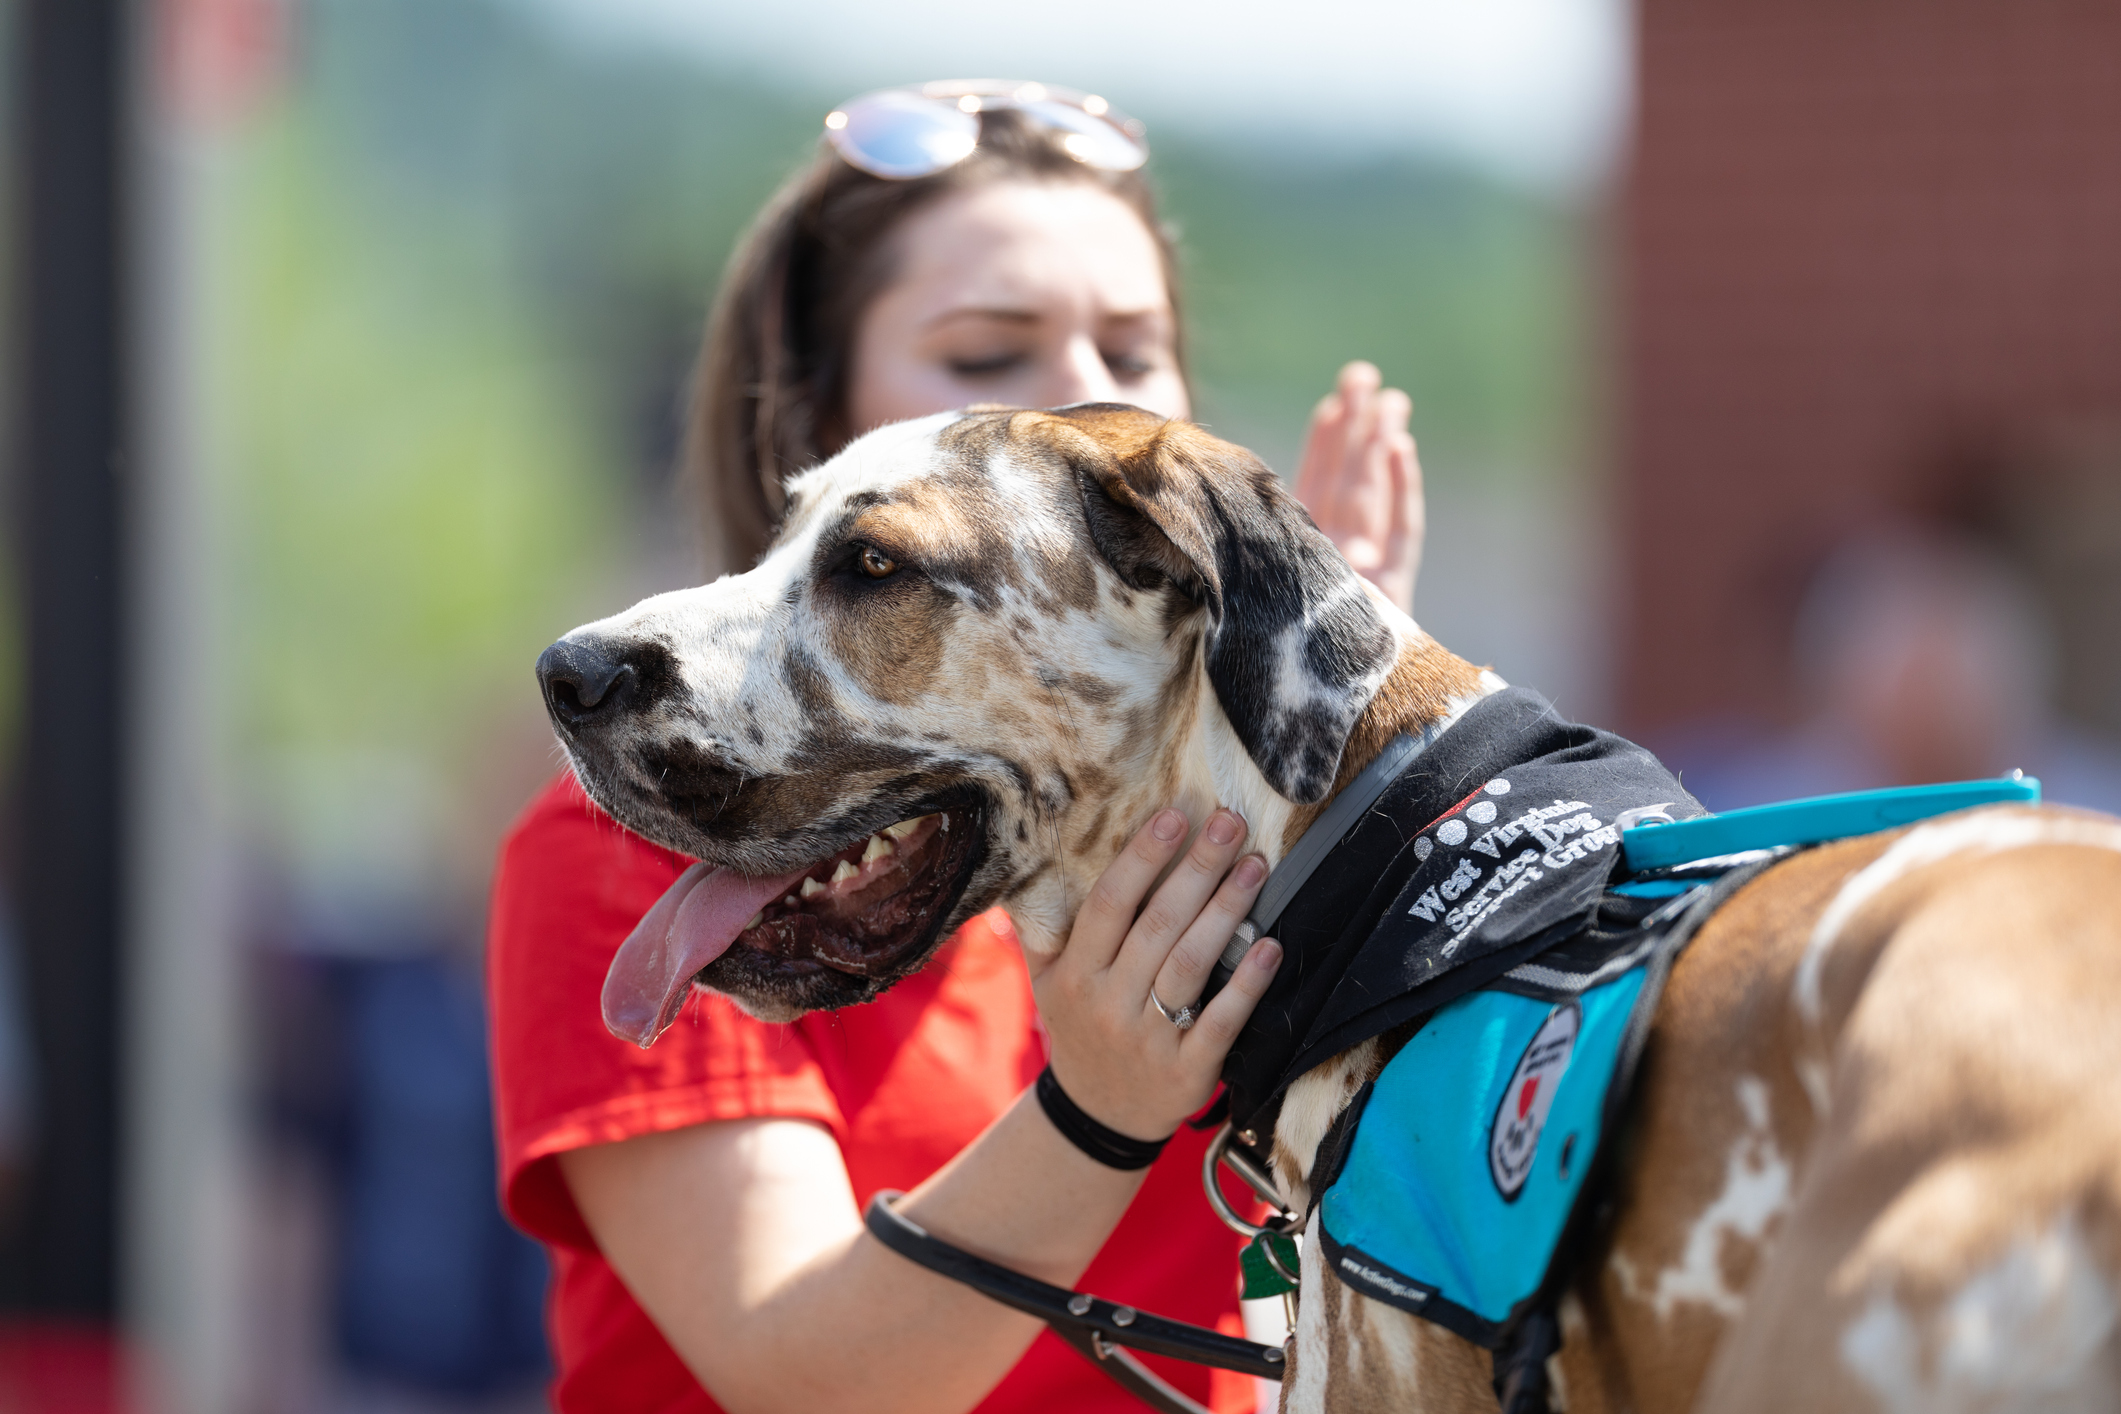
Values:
[(1183, 1018)]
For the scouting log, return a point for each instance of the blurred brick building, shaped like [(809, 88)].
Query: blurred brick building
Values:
[(1872, 269)]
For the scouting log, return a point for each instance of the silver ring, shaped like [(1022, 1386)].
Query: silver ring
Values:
[(1183, 1018)]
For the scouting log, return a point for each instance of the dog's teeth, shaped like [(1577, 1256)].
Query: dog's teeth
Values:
[(904, 828), (756, 919), (879, 847), (840, 875), (789, 901), (812, 888)]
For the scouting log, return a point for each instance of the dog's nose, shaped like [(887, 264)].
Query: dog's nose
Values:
[(584, 679)]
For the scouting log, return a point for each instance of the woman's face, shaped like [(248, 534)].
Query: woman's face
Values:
[(1030, 294)]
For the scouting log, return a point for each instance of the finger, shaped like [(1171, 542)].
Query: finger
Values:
[(1359, 383), (1106, 915), (1399, 553), (1359, 379), (1394, 407), (1324, 468), (1413, 493), (1417, 488), (1395, 411), (1388, 422), (1184, 974), (1368, 501), (1178, 902), (1409, 521), (1401, 562), (1358, 393), (1232, 1007), (1323, 449)]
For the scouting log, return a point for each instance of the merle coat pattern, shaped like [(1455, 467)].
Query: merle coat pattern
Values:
[(1876, 1163)]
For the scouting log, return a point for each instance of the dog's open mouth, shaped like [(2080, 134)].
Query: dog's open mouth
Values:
[(860, 911)]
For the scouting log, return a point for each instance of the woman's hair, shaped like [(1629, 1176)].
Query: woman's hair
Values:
[(769, 396)]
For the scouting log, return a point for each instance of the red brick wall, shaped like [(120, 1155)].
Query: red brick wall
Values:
[(1853, 231)]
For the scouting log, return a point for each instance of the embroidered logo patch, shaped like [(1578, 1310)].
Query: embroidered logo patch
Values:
[(1513, 1139)]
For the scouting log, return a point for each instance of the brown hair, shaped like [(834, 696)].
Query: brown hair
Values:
[(769, 396)]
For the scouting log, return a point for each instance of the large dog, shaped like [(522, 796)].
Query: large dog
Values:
[(1876, 1159)]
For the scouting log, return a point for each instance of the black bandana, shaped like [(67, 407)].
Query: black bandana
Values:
[(1495, 845)]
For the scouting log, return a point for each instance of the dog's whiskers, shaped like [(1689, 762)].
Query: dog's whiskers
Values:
[(1060, 837)]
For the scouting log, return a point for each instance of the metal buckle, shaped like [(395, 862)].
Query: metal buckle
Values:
[(1255, 1178)]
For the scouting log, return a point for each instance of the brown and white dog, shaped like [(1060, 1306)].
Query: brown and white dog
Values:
[(1877, 1158)]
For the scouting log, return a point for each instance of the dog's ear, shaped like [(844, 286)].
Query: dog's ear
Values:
[(1295, 649)]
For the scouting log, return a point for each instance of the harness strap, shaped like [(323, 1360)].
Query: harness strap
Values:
[(1521, 1363), (1095, 1327)]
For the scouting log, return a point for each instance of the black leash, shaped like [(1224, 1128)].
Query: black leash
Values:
[(1095, 1327)]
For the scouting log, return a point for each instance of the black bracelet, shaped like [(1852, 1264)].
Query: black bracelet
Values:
[(1108, 1146)]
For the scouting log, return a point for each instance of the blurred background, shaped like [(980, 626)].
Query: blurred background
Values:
[(1766, 360)]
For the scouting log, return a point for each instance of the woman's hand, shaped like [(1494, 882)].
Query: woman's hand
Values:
[(1361, 480), (742, 1239), (1115, 1054)]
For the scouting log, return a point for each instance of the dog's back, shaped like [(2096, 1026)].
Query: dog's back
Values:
[(1952, 1239), (1877, 1157)]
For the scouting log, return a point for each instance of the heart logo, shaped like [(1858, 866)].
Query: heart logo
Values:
[(1521, 1108)]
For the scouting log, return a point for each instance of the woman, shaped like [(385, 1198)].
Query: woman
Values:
[(701, 1200)]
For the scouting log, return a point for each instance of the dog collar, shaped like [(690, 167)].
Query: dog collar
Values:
[(1493, 842), (1319, 840)]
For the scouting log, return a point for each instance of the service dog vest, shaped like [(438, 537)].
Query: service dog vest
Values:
[(1451, 1184), (1495, 845), (1484, 911), (1471, 892)]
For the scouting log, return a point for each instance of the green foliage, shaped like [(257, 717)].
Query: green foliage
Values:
[(619, 179), (413, 487), (1463, 292), (458, 280)]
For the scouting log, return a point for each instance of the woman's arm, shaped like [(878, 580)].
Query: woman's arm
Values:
[(743, 1243), (1361, 480), (742, 1240)]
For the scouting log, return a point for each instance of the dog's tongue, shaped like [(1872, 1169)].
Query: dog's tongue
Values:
[(691, 925)]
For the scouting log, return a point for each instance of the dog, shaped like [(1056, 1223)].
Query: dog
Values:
[(1875, 1160)]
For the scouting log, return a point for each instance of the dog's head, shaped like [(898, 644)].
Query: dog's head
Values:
[(982, 648)]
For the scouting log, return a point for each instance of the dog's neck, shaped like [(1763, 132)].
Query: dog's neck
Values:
[(1198, 764), (1429, 685)]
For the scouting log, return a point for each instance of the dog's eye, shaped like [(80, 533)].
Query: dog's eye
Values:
[(876, 564)]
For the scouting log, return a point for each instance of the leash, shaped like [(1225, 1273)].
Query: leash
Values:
[(1097, 1328)]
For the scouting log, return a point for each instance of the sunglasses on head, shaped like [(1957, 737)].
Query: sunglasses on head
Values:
[(901, 133)]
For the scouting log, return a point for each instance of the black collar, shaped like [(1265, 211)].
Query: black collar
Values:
[(1381, 934)]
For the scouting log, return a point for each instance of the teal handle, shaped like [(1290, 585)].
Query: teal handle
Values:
[(1824, 817)]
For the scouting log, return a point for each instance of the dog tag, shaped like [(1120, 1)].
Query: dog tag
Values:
[(1261, 1278)]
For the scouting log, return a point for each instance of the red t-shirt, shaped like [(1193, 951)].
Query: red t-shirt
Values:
[(904, 1083)]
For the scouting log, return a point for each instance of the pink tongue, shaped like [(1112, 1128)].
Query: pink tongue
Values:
[(691, 925)]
